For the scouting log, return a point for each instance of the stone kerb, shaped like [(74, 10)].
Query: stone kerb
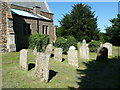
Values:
[(58, 54), (24, 59), (73, 57), (109, 47), (84, 50)]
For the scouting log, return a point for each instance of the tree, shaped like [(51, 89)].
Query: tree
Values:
[(80, 23), (113, 32)]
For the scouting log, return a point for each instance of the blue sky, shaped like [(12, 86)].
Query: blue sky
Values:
[(104, 10)]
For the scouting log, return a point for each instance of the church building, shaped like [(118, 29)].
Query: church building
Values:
[(18, 20)]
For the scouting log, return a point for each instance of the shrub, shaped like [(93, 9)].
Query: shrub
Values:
[(94, 45), (61, 42), (65, 43), (71, 41), (38, 41)]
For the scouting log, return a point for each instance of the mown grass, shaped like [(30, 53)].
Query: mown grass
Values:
[(89, 74)]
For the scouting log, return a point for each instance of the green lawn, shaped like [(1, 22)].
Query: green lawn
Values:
[(62, 75)]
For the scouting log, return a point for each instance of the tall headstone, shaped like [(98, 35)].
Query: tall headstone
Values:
[(42, 64), (84, 50), (24, 59), (109, 47), (102, 54), (58, 54), (73, 57), (48, 52), (39, 65)]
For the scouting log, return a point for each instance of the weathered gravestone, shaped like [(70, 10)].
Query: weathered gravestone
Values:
[(84, 50), (109, 47), (42, 64), (73, 56), (35, 51), (102, 54), (39, 66), (58, 54), (24, 59)]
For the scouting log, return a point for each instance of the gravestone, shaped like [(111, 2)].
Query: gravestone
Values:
[(102, 54), (109, 47), (73, 57), (24, 59), (35, 51), (42, 64), (39, 65), (72, 48), (84, 50), (58, 54), (47, 62)]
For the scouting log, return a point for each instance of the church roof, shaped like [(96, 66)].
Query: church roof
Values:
[(30, 15), (31, 3)]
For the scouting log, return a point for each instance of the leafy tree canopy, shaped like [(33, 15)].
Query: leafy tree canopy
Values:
[(80, 23), (113, 32)]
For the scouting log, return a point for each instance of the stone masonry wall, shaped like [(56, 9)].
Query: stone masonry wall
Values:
[(48, 15), (0, 27), (3, 27), (34, 23), (34, 28), (50, 29)]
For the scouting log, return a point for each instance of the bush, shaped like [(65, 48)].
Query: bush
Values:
[(71, 41), (94, 45), (63, 43), (38, 41)]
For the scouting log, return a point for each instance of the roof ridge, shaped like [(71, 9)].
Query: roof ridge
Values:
[(47, 6), (44, 6)]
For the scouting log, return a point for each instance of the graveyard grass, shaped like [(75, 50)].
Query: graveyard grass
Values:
[(62, 75)]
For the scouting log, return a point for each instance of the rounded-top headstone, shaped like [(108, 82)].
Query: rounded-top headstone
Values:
[(72, 48), (109, 47), (107, 43), (84, 42)]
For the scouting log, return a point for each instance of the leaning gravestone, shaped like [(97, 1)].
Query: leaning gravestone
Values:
[(84, 50), (35, 51), (47, 62), (58, 54), (102, 54), (24, 59), (109, 47), (73, 57), (42, 64)]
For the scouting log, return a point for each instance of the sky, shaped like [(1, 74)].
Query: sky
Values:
[(104, 10)]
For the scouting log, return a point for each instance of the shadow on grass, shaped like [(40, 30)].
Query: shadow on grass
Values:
[(63, 59), (51, 74), (99, 74), (30, 66), (52, 55)]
